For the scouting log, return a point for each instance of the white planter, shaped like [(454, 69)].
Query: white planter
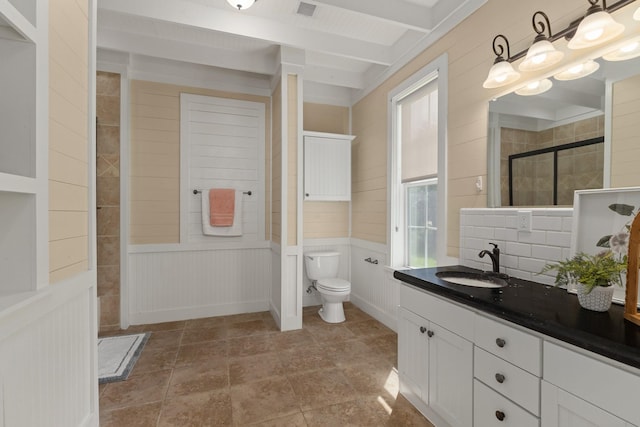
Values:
[(599, 299)]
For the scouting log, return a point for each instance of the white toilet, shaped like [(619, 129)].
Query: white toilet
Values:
[(322, 269)]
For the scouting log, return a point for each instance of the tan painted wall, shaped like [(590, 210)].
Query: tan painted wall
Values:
[(625, 131), (155, 158), (276, 166), (326, 219), (469, 56), (68, 144), (292, 161)]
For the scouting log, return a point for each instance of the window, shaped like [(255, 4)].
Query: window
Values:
[(418, 213)]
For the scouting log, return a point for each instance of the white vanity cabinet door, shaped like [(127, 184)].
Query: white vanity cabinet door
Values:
[(450, 376), (562, 409), (413, 354), (436, 368), (327, 167)]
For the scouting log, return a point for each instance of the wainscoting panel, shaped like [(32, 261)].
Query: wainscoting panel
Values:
[(47, 358), (373, 288), (183, 284)]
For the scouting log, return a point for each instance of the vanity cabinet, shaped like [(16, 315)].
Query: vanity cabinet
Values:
[(327, 166), (581, 391), (435, 364)]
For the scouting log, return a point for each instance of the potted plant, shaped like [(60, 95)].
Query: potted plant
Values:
[(594, 275)]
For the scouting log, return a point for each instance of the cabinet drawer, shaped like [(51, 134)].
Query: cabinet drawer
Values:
[(516, 384), (490, 409), (520, 348), (450, 316)]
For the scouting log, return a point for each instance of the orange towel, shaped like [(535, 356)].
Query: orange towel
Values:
[(221, 206)]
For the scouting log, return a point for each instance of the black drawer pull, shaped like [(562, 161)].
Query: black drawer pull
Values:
[(423, 329), (430, 333), (500, 415), (500, 342), (500, 378)]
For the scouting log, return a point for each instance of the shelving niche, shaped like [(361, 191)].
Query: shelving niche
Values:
[(23, 149)]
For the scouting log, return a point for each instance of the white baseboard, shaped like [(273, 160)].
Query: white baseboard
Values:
[(276, 314), (387, 319), (198, 312)]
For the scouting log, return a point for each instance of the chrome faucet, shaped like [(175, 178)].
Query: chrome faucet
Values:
[(494, 255)]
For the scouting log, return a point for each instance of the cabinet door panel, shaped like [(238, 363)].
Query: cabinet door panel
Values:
[(450, 376), (327, 168), (413, 354), (562, 409)]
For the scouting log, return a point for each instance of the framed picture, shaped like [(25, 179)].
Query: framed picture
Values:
[(601, 219)]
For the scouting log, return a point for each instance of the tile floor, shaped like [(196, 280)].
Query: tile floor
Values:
[(241, 371)]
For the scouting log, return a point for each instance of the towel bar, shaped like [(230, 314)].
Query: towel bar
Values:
[(248, 193)]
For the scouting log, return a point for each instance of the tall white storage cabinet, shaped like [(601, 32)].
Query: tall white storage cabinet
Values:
[(327, 166), (23, 149)]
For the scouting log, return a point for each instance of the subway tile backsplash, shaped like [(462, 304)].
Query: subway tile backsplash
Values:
[(523, 253)]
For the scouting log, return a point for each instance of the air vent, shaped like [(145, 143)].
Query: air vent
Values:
[(306, 9)]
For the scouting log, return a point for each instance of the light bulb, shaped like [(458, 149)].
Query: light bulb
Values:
[(578, 70)]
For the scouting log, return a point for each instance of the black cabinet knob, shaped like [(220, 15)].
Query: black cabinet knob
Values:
[(306, 194), (423, 329), (500, 378), (500, 415), (430, 333), (500, 342)]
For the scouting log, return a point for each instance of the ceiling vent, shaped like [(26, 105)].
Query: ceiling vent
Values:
[(306, 9)]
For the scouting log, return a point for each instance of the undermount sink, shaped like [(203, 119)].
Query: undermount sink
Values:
[(477, 280)]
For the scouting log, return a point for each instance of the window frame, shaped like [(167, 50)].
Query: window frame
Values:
[(396, 212)]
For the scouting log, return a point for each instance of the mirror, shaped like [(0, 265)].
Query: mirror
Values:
[(543, 147)]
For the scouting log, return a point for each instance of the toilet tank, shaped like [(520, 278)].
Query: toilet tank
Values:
[(322, 264)]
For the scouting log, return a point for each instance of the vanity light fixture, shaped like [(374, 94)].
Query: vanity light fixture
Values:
[(541, 54), (241, 4), (596, 27), (636, 15), (535, 88), (577, 71), (502, 72), (627, 50)]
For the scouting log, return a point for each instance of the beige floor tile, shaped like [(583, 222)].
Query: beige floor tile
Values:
[(249, 346), (210, 375), (255, 368), (348, 352), (153, 361), (250, 328), (198, 353), (263, 400), (373, 378), (357, 413), (197, 410), (167, 340), (133, 416), (307, 358), (207, 322), (356, 315), (244, 317), (316, 389), (368, 328), (296, 420), (403, 414), (292, 339), (136, 390), (197, 335), (331, 333), (165, 326)]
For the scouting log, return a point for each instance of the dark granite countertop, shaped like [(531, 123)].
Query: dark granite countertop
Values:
[(546, 309)]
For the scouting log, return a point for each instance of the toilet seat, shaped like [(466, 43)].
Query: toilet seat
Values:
[(333, 284)]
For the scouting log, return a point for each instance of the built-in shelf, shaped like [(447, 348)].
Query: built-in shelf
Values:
[(23, 192)]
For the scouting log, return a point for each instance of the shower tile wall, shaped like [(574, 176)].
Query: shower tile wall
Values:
[(108, 198), (579, 168)]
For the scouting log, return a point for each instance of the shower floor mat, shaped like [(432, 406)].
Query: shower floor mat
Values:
[(117, 356)]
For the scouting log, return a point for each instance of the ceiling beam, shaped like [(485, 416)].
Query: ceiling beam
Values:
[(403, 13), (197, 15)]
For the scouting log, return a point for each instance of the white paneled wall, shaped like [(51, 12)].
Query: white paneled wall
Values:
[(48, 375), (275, 305), (314, 245), (373, 288), (176, 283), (523, 253)]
